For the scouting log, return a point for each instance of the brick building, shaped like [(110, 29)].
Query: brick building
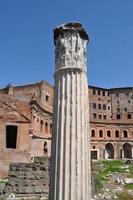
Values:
[(26, 123), (111, 122)]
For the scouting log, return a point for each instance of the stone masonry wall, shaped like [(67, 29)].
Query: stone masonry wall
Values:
[(29, 178)]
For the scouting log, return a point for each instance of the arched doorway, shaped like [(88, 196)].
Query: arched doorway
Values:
[(109, 151), (127, 149)]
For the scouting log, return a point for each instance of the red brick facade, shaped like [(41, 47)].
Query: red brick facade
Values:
[(26, 123)]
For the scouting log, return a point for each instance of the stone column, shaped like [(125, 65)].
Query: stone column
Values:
[(70, 171)]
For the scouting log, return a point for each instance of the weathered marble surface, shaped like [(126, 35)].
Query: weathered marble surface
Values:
[(70, 177)]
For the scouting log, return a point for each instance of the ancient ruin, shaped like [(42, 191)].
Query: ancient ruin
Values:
[(26, 114), (111, 123), (70, 171), (25, 123)]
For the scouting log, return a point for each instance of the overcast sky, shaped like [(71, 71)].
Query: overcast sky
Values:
[(27, 48)]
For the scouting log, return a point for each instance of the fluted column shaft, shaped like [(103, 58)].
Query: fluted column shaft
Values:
[(70, 179)]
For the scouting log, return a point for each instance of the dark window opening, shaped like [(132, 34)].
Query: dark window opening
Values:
[(104, 106), (50, 128), (11, 136), (45, 148), (100, 116), (94, 115), (100, 133), (118, 109), (94, 154), (118, 117), (125, 134), (41, 126), (46, 127), (129, 116), (108, 133), (93, 133), (125, 109), (94, 105), (108, 107), (94, 92), (99, 92), (47, 98), (116, 133), (104, 117), (99, 106), (94, 147), (103, 93)]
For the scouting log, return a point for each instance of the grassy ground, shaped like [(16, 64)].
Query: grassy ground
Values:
[(107, 167), (114, 166), (124, 196)]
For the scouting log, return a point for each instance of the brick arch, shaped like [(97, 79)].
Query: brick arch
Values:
[(109, 133), (125, 133), (127, 150), (109, 151), (46, 127), (93, 132), (101, 133), (41, 125), (117, 133)]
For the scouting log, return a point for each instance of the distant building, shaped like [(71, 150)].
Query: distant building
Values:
[(111, 120), (26, 123)]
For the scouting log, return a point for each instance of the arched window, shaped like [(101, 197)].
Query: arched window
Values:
[(46, 127), (41, 125), (116, 133), (125, 134), (108, 133), (92, 133), (127, 148), (100, 133), (109, 151)]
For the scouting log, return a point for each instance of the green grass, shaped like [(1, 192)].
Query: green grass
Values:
[(129, 186), (108, 167), (131, 169), (124, 196)]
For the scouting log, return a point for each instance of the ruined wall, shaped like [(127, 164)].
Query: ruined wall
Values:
[(8, 156), (31, 178)]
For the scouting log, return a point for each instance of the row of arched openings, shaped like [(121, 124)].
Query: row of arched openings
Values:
[(45, 127), (126, 148), (109, 133)]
